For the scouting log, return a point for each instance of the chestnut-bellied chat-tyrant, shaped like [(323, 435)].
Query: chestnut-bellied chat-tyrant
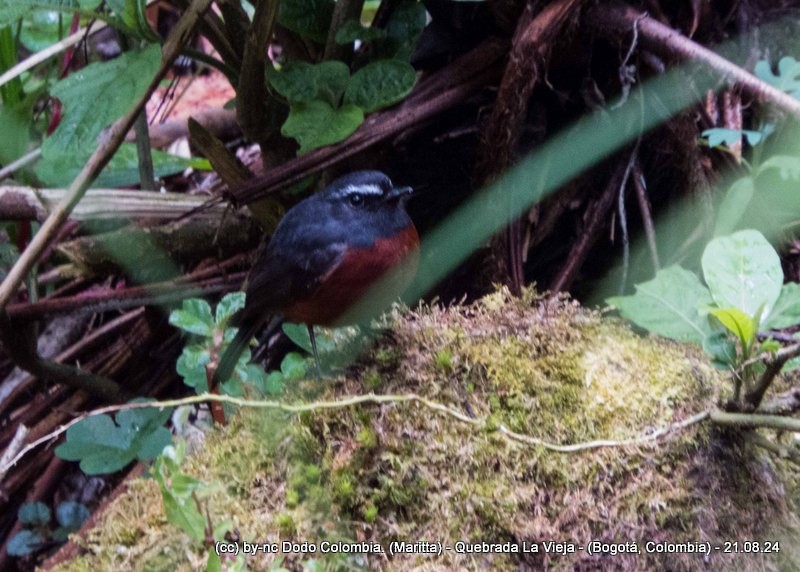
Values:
[(325, 254)]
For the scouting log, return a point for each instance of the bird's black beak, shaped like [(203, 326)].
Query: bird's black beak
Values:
[(398, 193)]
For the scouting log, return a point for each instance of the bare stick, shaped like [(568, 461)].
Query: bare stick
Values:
[(615, 18)]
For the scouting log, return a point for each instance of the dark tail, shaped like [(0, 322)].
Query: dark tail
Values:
[(247, 329)]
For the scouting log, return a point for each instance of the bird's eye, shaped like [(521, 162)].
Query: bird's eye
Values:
[(356, 199)]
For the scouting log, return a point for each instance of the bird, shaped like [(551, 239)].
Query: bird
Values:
[(325, 254)]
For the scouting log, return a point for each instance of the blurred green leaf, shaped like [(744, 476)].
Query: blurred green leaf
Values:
[(71, 515), (293, 366), (786, 312), (787, 78), (309, 18), (24, 542), (743, 271), (35, 513), (733, 206), (352, 30)]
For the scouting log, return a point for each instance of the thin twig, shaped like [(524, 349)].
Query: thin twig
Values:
[(774, 366), (357, 400), (614, 18), (753, 420)]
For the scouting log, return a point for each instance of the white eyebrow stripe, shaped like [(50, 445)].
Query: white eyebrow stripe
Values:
[(361, 189)]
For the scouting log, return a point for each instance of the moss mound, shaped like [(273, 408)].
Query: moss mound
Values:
[(401, 472)]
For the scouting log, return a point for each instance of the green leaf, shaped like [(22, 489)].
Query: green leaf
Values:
[(668, 305), (404, 28), (729, 137), (352, 30), (15, 134), (788, 167), (71, 515), (293, 366), (274, 383), (316, 124), (194, 317), (191, 366), (380, 84), (178, 491), (301, 82), (40, 30), (121, 81), (13, 10), (734, 206), (228, 306), (722, 348), (123, 169), (130, 16), (213, 563), (298, 333), (738, 323), (788, 77), (743, 271), (786, 312), (24, 542), (102, 446), (36, 513), (309, 18)]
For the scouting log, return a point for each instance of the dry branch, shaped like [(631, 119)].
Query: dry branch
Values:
[(614, 19)]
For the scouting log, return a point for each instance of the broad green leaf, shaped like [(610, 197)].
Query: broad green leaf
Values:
[(301, 82), (788, 167), (194, 317), (24, 542), (121, 82), (737, 322), (71, 515), (309, 18), (668, 305), (228, 306), (123, 169), (734, 206), (293, 366), (103, 446), (786, 312), (352, 30), (298, 333), (729, 137), (36, 513), (316, 124), (743, 271), (380, 84), (788, 77)]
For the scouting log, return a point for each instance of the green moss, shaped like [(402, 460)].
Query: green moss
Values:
[(544, 368)]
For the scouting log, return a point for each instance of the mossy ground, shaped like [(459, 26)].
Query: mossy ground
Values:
[(545, 368)]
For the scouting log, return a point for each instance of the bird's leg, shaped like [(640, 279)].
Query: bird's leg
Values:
[(314, 348)]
